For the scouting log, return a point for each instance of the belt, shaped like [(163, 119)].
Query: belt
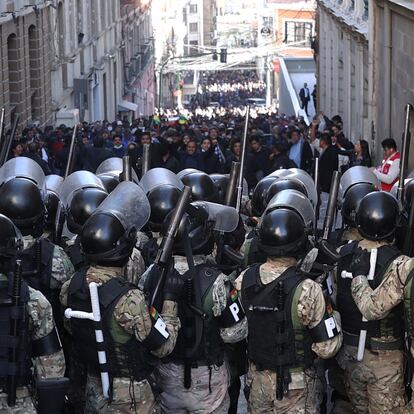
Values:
[(372, 344)]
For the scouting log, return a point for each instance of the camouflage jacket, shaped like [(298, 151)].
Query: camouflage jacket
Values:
[(233, 333), (131, 312), (41, 323), (62, 268), (375, 304), (311, 303)]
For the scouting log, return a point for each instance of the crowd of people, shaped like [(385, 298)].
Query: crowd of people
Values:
[(209, 144), (167, 297)]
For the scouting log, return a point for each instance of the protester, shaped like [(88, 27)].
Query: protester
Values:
[(389, 171)]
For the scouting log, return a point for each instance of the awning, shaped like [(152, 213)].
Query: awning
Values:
[(125, 106)]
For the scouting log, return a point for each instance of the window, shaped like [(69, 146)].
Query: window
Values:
[(298, 32), (365, 15), (193, 8), (268, 21), (193, 50), (193, 27)]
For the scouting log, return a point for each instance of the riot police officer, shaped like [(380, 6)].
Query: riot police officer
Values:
[(373, 366), (29, 337), (355, 183), (45, 265), (135, 335), (194, 377), (80, 194), (288, 319)]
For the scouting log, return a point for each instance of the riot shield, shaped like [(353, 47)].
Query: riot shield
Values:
[(354, 175), (129, 204), (308, 182), (187, 171), (296, 201), (53, 183), (280, 173), (22, 167), (158, 177), (225, 218), (76, 181), (114, 167)]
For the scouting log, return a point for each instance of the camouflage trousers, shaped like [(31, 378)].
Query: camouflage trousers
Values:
[(127, 397), (207, 395), (376, 384), (24, 403), (305, 397), (336, 378)]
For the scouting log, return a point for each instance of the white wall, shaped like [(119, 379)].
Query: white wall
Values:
[(99, 50)]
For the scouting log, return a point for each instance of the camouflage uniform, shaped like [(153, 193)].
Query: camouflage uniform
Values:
[(132, 315), (376, 384), (208, 392), (135, 267), (336, 374), (41, 323), (305, 390), (62, 268)]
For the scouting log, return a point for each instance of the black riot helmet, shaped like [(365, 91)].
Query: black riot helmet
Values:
[(259, 195), (198, 230), (84, 202), (10, 239), (281, 232), (284, 184), (109, 181), (21, 200), (163, 200), (202, 187), (377, 216), (221, 181), (352, 199), (104, 240)]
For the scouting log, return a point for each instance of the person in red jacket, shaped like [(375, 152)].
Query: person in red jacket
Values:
[(389, 171)]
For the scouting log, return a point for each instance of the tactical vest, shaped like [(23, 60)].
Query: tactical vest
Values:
[(37, 263), (352, 323), (21, 367), (270, 345), (199, 340), (76, 255), (126, 357), (409, 307)]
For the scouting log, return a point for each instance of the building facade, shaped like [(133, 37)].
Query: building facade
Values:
[(342, 59), (87, 60), (365, 60), (137, 56), (292, 25), (391, 50), (25, 61)]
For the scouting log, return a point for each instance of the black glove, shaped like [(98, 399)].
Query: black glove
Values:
[(361, 263), (173, 286)]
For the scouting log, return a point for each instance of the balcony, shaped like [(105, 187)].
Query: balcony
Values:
[(137, 65)]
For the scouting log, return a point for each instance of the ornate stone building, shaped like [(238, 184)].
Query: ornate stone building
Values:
[(25, 61)]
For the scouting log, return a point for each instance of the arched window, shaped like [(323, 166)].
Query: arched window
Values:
[(14, 75), (35, 73)]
